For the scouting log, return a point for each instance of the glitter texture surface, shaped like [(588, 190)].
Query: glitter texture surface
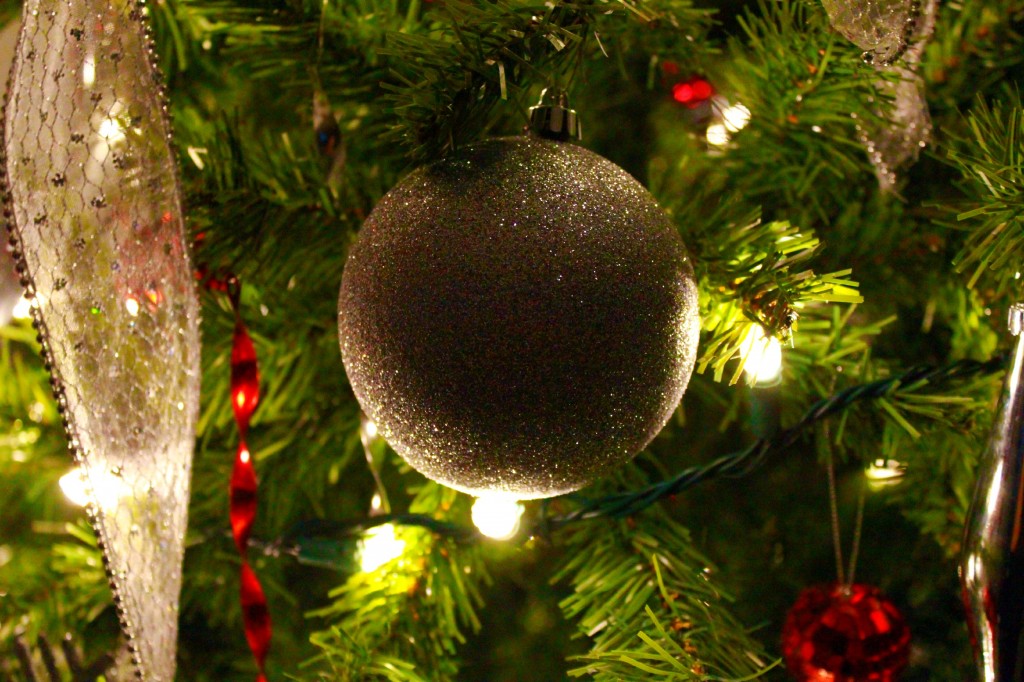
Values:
[(845, 634), (518, 318), (92, 202)]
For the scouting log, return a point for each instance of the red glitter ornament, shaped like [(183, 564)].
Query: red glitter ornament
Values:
[(845, 634)]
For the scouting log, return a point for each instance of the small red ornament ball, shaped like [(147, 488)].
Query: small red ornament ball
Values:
[(845, 634)]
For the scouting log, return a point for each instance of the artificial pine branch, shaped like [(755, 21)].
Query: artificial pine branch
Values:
[(270, 217), (992, 162), (406, 619), (754, 275), (643, 597), (449, 79), (800, 150), (976, 51)]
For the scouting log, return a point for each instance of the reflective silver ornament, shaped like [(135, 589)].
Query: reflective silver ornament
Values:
[(518, 318), (992, 564)]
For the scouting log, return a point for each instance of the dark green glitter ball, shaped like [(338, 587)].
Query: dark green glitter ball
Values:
[(518, 318)]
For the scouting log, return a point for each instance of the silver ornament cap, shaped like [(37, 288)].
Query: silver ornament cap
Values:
[(992, 564), (552, 118)]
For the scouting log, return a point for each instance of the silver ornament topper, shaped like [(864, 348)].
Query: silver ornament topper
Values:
[(93, 206)]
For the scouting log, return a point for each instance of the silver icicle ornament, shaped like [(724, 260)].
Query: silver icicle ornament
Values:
[(519, 317), (992, 564)]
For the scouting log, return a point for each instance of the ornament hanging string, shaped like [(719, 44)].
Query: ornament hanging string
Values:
[(245, 397), (845, 578), (621, 505), (844, 630)]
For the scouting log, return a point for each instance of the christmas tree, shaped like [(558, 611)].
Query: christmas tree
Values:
[(848, 182)]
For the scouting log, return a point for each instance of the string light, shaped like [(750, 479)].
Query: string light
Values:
[(497, 516), (379, 546), (22, 309), (717, 135), (735, 117), (367, 430), (884, 472), (732, 119), (108, 488), (762, 357)]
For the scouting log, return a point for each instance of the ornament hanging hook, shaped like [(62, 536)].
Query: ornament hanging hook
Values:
[(234, 291), (552, 118)]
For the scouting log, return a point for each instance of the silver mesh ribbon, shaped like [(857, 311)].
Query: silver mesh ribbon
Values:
[(889, 31), (902, 130), (884, 29), (93, 205)]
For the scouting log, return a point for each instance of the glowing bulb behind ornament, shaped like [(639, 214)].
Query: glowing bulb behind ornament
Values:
[(367, 430), (108, 488), (89, 71), (110, 129), (762, 357), (379, 546), (22, 309), (497, 516)]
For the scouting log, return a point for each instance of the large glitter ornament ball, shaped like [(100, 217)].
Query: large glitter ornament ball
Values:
[(845, 634), (518, 318)]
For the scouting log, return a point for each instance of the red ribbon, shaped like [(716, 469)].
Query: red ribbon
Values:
[(245, 397)]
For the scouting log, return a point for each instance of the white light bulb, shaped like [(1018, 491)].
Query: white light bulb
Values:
[(717, 135), (22, 309), (762, 357), (131, 304), (379, 546), (497, 516), (73, 485), (883, 472), (735, 117), (367, 429), (108, 488)]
